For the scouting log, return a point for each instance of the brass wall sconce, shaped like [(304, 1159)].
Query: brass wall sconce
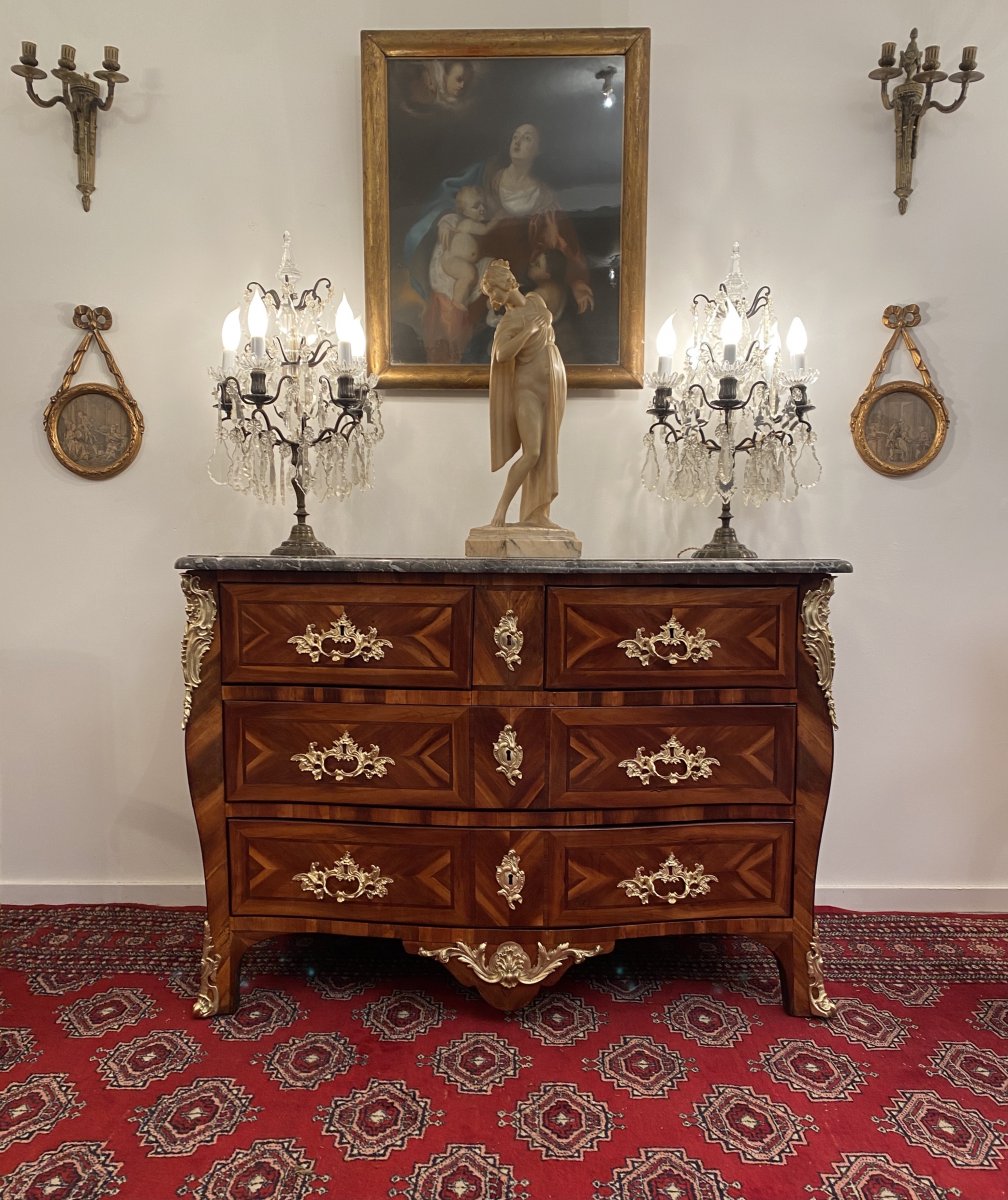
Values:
[(81, 97), (911, 99)]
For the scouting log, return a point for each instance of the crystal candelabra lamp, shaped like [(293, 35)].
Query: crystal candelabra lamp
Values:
[(734, 396), (296, 408)]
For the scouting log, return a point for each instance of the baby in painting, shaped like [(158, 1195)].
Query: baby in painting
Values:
[(458, 250)]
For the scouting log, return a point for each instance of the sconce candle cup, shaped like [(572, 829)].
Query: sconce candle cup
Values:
[(297, 408), (733, 377)]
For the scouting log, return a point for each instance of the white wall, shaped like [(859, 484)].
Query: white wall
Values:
[(243, 119)]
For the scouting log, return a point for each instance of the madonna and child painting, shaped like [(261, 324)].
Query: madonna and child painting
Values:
[(514, 159)]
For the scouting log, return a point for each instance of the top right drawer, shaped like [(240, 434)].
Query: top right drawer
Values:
[(655, 637)]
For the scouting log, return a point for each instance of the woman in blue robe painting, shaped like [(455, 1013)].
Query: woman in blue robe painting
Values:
[(521, 219)]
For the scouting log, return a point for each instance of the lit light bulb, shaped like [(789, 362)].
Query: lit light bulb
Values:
[(258, 320), (665, 343), (731, 330), (797, 340), (230, 340), (607, 102), (358, 342), (344, 330)]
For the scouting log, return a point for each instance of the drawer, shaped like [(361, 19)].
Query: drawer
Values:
[(346, 753), (658, 757), (349, 872), (652, 637), (669, 873), (394, 636)]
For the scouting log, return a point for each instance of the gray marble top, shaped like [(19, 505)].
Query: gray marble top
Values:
[(519, 566)]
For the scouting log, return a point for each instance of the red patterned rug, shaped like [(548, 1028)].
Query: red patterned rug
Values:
[(665, 1071)]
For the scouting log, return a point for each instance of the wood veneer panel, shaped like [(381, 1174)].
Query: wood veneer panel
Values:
[(751, 862), (755, 629), (429, 749), (489, 668), (428, 871), (753, 745), (430, 630)]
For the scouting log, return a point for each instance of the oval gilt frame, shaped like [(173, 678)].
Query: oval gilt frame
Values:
[(75, 453), (861, 417)]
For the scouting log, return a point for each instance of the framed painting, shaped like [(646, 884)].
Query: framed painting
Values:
[(900, 427), (94, 429), (526, 145)]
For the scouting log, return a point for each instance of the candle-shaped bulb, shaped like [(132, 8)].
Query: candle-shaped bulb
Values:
[(731, 331), (258, 319), (230, 340), (665, 344), (344, 331), (797, 340), (358, 342)]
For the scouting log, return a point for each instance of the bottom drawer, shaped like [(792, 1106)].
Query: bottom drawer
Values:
[(394, 873), (669, 873)]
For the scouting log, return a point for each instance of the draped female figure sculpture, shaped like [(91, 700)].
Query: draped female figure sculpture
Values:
[(528, 391)]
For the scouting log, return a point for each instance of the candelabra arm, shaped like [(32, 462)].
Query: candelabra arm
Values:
[(320, 351), (946, 108), (106, 104), (274, 295), (37, 99), (760, 300), (760, 383), (258, 402)]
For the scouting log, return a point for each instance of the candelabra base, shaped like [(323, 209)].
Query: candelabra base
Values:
[(724, 544), (302, 543)]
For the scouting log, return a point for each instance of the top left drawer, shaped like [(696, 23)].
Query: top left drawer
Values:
[(389, 635)]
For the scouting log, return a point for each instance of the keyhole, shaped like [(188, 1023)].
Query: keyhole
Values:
[(510, 879)]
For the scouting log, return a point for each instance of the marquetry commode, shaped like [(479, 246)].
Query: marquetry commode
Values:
[(509, 766)]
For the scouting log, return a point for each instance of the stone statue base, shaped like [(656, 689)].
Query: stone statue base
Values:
[(521, 541)]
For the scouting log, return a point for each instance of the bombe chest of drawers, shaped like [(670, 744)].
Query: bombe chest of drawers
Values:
[(509, 766)]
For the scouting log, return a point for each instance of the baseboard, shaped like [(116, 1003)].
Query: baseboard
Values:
[(869, 898), (860, 898), (168, 895)]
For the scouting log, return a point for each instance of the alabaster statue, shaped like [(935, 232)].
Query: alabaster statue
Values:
[(528, 392)]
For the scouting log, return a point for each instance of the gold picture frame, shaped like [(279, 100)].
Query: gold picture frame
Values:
[(453, 177), (900, 427), (94, 429)]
